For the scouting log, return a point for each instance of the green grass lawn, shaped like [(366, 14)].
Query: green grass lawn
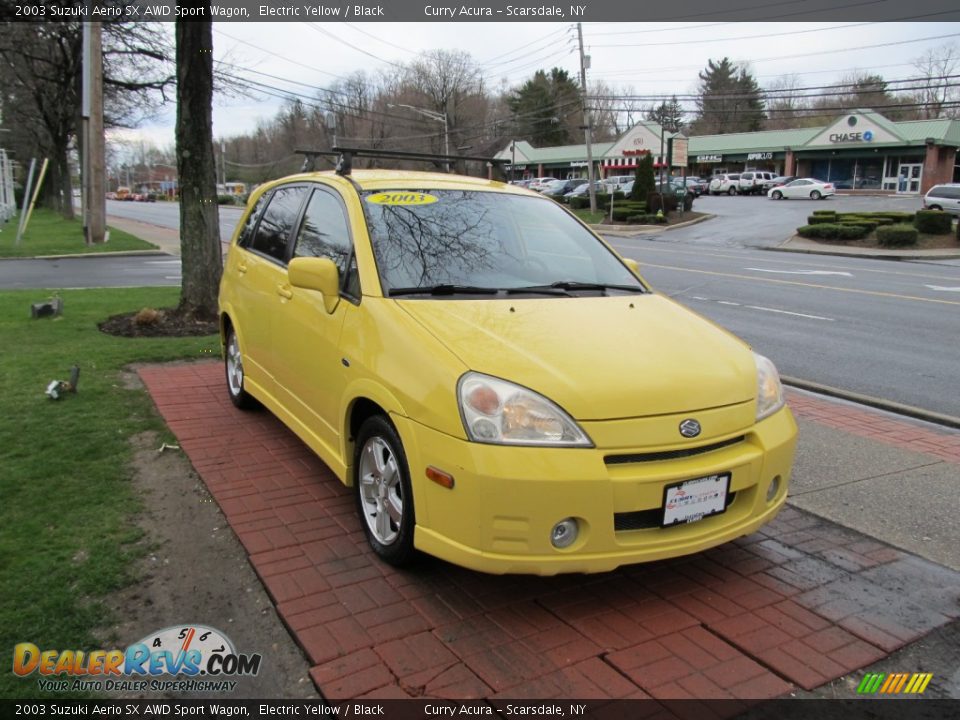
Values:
[(591, 218), (67, 526), (49, 234)]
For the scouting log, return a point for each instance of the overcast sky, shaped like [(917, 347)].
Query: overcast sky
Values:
[(652, 58)]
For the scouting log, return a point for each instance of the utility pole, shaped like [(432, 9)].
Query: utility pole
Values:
[(584, 63), (94, 197)]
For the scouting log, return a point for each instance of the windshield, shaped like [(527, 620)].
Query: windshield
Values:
[(463, 241)]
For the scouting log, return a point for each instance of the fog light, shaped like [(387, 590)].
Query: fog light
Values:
[(774, 489), (564, 533)]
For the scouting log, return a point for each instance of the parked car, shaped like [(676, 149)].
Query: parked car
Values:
[(724, 184), (698, 185), (493, 382), (558, 188), (584, 189), (943, 197), (752, 182), (803, 188), (615, 183), (540, 183)]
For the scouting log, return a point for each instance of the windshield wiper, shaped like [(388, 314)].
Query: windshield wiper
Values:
[(537, 290), (574, 285), (444, 289)]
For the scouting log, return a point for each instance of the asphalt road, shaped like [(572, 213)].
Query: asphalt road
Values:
[(885, 329), (167, 214), (90, 272), (756, 221)]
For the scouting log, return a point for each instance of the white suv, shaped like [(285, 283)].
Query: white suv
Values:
[(943, 197), (721, 184), (752, 181)]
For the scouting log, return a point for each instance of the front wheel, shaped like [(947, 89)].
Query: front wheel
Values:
[(732, 191), (777, 195), (384, 497), (233, 363), (815, 195)]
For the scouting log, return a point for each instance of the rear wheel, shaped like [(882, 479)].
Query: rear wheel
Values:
[(777, 195), (934, 207), (233, 362), (732, 191), (384, 498), (815, 195)]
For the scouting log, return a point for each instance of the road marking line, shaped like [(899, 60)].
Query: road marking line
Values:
[(802, 272), (727, 302), (802, 284), (161, 262), (943, 288), (173, 277), (787, 312)]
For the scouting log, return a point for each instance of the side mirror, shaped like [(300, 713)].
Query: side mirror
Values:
[(634, 268), (320, 274)]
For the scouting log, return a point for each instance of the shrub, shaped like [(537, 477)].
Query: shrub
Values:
[(933, 222), (896, 216), (853, 232), (833, 231), (900, 235), (869, 223), (225, 200), (818, 219), (644, 182), (831, 213), (645, 219)]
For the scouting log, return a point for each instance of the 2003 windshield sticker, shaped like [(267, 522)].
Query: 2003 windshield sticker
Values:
[(181, 658), (402, 198)]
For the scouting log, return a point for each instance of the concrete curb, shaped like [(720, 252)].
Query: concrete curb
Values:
[(815, 248), (634, 230), (118, 253), (870, 401)]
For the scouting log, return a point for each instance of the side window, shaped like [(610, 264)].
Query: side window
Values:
[(277, 222), (246, 235), (324, 233)]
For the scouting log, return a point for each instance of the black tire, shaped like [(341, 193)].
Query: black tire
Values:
[(732, 191), (777, 195), (815, 195), (381, 477), (934, 207), (233, 367)]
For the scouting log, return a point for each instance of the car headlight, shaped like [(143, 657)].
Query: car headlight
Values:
[(498, 412), (769, 389)]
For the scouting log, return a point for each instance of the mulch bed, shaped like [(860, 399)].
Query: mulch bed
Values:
[(166, 322)]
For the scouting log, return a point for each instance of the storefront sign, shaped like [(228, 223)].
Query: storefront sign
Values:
[(865, 136), (709, 158), (760, 156), (680, 145), (636, 152), (578, 163)]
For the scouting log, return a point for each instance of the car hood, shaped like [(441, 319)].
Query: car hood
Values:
[(597, 357)]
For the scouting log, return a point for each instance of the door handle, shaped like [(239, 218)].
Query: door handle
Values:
[(284, 292), (242, 268)]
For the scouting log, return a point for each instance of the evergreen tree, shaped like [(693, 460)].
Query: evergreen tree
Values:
[(546, 108), (729, 100), (668, 114), (644, 182)]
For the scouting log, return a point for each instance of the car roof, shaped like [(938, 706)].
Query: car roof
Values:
[(377, 179)]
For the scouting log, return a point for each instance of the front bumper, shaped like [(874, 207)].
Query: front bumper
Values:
[(499, 515)]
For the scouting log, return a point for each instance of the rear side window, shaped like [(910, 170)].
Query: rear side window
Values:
[(278, 220), (952, 193), (246, 235)]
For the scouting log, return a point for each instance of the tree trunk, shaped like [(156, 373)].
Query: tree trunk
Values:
[(200, 251)]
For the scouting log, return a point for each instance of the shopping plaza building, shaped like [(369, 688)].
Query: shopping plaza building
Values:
[(859, 151)]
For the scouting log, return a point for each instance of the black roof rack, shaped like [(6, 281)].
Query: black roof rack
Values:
[(345, 157)]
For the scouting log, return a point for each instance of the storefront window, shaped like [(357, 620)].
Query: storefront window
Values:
[(869, 174)]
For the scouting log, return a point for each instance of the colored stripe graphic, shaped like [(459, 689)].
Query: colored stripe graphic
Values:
[(894, 683)]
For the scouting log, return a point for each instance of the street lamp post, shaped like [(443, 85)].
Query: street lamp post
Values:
[(439, 117)]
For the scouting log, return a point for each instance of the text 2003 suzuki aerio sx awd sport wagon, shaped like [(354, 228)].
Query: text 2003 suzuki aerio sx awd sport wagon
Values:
[(501, 389)]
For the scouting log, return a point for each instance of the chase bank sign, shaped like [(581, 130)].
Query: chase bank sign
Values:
[(851, 137)]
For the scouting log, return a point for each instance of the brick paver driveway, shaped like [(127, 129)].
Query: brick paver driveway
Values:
[(800, 603)]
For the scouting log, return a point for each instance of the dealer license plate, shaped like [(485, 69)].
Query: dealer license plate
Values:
[(693, 500)]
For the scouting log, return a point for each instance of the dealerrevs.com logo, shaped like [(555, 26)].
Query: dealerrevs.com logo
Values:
[(191, 657)]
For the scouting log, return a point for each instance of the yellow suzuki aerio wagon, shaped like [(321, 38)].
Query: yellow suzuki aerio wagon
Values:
[(500, 387)]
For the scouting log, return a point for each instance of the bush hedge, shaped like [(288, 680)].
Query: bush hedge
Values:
[(824, 212), (833, 231), (933, 222), (899, 235), (820, 219), (646, 219)]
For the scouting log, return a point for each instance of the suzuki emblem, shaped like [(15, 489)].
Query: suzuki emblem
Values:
[(690, 428)]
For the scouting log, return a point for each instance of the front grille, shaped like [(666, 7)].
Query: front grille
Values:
[(646, 519), (670, 454)]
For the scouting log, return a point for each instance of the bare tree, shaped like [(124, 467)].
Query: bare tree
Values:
[(937, 92), (199, 219)]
